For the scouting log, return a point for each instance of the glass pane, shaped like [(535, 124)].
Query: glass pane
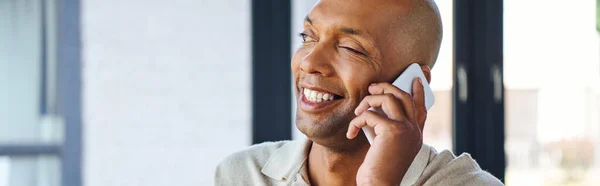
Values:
[(552, 80), (29, 171), (26, 89)]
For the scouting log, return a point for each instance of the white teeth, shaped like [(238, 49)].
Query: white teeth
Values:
[(314, 96), (325, 96)]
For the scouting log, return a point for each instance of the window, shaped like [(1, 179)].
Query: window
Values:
[(552, 71), (29, 170), (34, 114)]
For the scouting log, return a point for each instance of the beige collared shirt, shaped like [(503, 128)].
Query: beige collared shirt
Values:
[(284, 163)]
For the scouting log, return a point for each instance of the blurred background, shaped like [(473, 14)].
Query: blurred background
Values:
[(154, 92)]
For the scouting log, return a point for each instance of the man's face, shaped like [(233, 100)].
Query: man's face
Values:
[(348, 44)]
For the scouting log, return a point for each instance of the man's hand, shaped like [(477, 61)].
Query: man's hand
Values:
[(398, 133)]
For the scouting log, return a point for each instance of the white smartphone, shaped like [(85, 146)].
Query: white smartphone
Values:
[(404, 83)]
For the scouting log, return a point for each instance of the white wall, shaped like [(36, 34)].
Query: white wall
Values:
[(166, 89)]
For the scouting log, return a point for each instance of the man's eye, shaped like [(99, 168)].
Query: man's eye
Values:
[(306, 38), (353, 50)]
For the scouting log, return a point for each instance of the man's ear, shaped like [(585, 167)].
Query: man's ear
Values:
[(427, 72)]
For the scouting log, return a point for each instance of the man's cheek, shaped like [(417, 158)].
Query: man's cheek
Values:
[(360, 88), (296, 60)]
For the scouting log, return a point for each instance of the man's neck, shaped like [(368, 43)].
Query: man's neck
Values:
[(329, 167)]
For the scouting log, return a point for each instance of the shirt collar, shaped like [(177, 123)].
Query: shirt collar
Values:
[(286, 162), (417, 166)]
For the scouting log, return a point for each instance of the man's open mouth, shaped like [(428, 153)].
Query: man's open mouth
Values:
[(319, 96)]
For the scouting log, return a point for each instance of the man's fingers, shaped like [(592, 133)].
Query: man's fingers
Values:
[(418, 95), (390, 105), (367, 118), (405, 98)]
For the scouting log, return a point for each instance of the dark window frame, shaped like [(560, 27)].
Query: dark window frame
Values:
[(478, 91), (69, 88), (271, 55)]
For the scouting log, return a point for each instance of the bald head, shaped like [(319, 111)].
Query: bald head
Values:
[(421, 30)]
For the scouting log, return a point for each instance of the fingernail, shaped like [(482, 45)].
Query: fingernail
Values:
[(419, 80), (373, 84)]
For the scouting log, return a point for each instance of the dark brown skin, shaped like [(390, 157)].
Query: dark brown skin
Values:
[(355, 48)]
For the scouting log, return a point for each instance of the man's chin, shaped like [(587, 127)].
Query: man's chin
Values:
[(318, 126), (327, 132)]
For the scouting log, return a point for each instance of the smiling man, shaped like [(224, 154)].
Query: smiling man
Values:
[(351, 51)]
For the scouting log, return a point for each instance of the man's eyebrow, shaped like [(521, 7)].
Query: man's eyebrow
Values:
[(350, 31), (307, 19), (346, 30)]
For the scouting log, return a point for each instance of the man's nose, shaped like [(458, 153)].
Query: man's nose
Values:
[(318, 61)]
